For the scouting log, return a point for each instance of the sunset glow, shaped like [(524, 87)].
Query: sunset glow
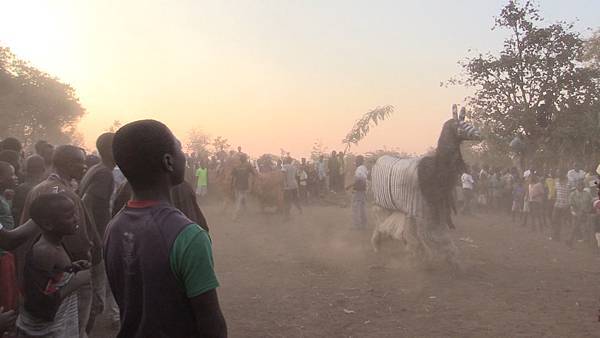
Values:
[(264, 74)]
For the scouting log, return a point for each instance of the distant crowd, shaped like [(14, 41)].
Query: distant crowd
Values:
[(326, 174), (559, 203)]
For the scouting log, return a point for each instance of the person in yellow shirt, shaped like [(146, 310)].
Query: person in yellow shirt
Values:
[(201, 180), (551, 189)]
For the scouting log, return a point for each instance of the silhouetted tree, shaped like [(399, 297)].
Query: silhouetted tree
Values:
[(35, 105), (536, 87)]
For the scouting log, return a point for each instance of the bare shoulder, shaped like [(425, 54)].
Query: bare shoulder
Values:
[(42, 256), (47, 257)]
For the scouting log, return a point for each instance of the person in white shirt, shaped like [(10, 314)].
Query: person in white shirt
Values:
[(290, 187), (322, 174), (467, 185), (359, 198), (575, 175)]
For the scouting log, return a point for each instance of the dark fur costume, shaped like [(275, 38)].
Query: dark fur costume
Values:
[(439, 173)]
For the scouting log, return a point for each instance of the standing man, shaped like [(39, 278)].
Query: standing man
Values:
[(34, 174), (334, 171), (240, 182), (85, 244), (576, 175), (467, 185), (341, 172), (359, 199), (290, 187), (201, 180), (159, 263), (581, 205), (321, 175), (95, 190), (45, 150), (303, 181), (560, 211)]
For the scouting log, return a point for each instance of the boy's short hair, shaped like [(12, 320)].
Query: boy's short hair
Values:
[(5, 168), (11, 143), (45, 206), (11, 157), (34, 165), (138, 149), (64, 154), (104, 144)]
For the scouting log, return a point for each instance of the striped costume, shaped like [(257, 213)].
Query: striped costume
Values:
[(395, 185), (415, 195)]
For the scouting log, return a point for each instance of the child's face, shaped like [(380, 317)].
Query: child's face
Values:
[(66, 222), (9, 180)]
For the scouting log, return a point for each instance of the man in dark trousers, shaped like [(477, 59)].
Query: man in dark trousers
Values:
[(159, 263), (95, 191)]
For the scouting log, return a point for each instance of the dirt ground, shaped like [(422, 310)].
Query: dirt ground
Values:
[(315, 276)]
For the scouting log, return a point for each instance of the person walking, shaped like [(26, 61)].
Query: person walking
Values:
[(290, 187), (240, 183), (359, 197)]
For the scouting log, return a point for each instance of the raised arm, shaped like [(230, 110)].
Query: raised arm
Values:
[(12, 239)]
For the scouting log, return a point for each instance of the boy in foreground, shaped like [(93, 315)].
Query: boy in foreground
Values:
[(159, 263), (50, 278)]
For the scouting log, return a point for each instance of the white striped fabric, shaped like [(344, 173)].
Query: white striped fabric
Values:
[(469, 130), (395, 185)]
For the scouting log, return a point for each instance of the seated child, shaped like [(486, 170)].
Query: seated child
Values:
[(50, 279)]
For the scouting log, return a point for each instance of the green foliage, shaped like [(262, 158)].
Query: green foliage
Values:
[(318, 149), (592, 50), (115, 126), (536, 87), (35, 105), (198, 143), (220, 144), (362, 127)]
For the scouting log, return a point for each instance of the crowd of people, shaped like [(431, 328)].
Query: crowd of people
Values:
[(559, 203), (304, 182), (327, 174), (119, 231)]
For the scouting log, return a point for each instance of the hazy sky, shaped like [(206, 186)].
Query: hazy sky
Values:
[(265, 74)]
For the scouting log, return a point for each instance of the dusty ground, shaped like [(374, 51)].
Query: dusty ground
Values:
[(316, 277)]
